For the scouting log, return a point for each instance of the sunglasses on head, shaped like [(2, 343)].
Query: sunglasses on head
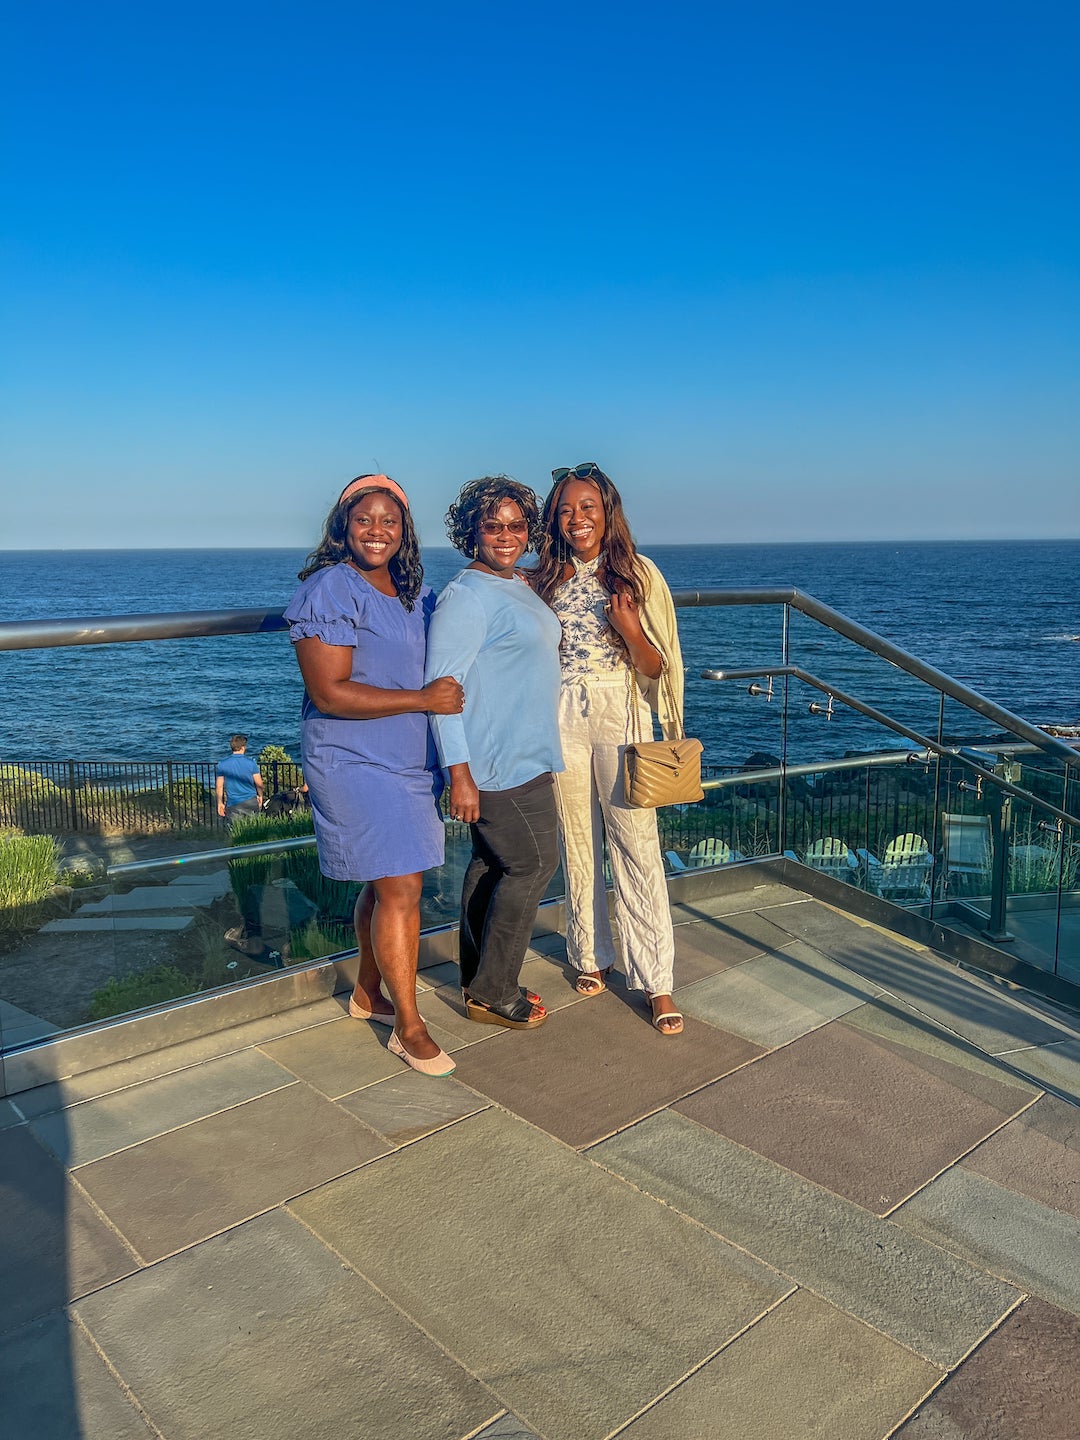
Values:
[(588, 471)]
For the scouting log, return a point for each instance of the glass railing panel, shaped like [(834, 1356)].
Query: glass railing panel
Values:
[(733, 728), (1042, 913), (240, 918), (737, 822), (834, 730)]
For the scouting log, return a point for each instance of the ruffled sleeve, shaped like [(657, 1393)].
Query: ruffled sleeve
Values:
[(326, 607)]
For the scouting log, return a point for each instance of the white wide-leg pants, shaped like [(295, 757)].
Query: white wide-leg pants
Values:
[(595, 726)]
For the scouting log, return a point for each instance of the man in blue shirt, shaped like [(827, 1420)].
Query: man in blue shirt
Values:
[(239, 784)]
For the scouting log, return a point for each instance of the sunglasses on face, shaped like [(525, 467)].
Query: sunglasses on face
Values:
[(491, 528), (588, 471)]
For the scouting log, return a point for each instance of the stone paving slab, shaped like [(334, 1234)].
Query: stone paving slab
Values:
[(113, 1122), (552, 979), (219, 879), (597, 1066), (444, 1014), (20, 1027), (174, 1058), (921, 1296), (762, 898), (547, 974), (1037, 1154), (553, 945), (576, 1344), (1054, 1064), (863, 1116), (344, 1056), (151, 898), (182, 1187), (1033, 1246), (56, 1387), (99, 924), (53, 1246), (804, 1369), (894, 1020), (1023, 1383), (706, 947), (8, 1115), (954, 998), (410, 1105), (507, 1427), (776, 998), (265, 1333)]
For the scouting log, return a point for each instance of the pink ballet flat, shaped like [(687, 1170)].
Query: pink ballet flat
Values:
[(358, 1012), (439, 1065)]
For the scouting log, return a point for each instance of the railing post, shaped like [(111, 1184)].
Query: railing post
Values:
[(1001, 809), (73, 804)]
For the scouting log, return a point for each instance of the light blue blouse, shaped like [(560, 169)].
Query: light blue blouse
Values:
[(502, 642)]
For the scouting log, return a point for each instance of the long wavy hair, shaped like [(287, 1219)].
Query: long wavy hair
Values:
[(478, 500), (619, 568), (405, 568)]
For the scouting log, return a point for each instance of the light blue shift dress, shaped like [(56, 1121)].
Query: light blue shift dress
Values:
[(374, 784)]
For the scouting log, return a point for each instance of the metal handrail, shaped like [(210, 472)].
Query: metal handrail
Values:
[(963, 753), (123, 629), (902, 659)]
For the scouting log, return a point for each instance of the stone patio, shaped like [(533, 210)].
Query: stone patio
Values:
[(845, 1203)]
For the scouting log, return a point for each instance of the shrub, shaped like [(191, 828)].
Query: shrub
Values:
[(279, 770), (27, 797), (134, 992), (29, 868)]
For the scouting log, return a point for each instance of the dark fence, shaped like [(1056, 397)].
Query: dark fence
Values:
[(864, 807), (144, 796)]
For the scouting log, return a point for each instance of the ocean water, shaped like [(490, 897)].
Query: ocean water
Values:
[(1003, 617)]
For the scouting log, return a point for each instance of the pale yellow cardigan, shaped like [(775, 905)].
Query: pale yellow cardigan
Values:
[(664, 693)]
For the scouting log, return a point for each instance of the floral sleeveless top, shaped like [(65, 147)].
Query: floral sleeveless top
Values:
[(590, 648)]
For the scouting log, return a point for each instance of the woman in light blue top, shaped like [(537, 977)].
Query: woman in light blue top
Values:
[(490, 632)]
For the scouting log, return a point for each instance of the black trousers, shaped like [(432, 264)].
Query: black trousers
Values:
[(515, 852)]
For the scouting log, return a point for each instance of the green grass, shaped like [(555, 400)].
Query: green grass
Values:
[(29, 868), (133, 992), (333, 899)]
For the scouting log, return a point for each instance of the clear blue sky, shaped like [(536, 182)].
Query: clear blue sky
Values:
[(787, 271)]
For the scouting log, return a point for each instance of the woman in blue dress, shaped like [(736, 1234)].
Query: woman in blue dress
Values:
[(359, 623)]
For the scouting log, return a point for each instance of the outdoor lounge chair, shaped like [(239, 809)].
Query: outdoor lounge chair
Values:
[(904, 870), (967, 847), (704, 853), (832, 857)]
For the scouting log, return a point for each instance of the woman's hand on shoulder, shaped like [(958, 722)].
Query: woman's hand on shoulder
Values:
[(443, 696)]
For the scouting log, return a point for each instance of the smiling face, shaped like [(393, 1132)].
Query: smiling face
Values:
[(581, 518), (374, 532), (502, 538)]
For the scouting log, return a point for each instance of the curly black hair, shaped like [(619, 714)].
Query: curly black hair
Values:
[(405, 568), (478, 500)]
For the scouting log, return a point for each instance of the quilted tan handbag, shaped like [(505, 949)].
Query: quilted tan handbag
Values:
[(662, 772)]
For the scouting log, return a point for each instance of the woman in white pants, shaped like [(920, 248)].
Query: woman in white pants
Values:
[(620, 661)]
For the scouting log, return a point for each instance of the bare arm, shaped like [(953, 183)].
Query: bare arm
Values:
[(623, 617), (256, 780), (221, 794), (326, 670)]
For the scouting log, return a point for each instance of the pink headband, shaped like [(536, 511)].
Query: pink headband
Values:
[(374, 482)]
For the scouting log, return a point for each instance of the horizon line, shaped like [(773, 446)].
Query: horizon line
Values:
[(665, 544)]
